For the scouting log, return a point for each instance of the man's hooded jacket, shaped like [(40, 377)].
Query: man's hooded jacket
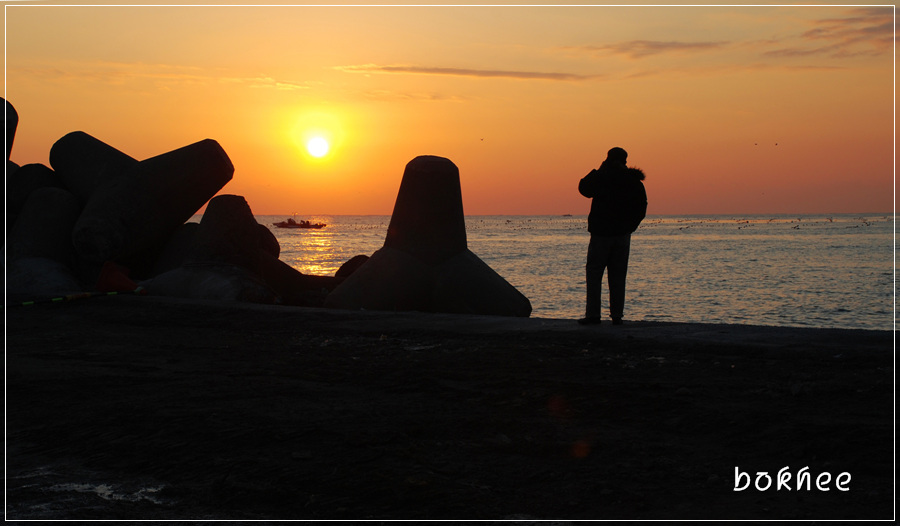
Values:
[(619, 199)]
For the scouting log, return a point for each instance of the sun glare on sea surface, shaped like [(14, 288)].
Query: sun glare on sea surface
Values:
[(317, 147)]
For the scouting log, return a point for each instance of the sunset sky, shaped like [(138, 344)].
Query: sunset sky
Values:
[(728, 110)]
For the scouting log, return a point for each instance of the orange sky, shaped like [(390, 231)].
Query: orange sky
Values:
[(525, 100)]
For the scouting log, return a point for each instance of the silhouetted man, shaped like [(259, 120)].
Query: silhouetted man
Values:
[(618, 207)]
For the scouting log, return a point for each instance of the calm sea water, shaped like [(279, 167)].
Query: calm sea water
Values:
[(806, 271)]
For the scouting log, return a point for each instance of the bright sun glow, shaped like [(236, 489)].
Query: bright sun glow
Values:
[(317, 147)]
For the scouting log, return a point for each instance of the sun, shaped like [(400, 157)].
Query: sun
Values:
[(318, 136), (317, 147)]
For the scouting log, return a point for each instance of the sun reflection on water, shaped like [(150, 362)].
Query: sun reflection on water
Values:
[(321, 252), (793, 271)]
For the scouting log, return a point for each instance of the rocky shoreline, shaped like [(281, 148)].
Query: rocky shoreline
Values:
[(130, 407), (98, 220)]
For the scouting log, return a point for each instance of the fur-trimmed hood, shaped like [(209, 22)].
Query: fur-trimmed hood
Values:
[(619, 201), (635, 172), (611, 167)]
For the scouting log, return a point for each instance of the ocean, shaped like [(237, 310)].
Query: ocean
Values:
[(834, 271)]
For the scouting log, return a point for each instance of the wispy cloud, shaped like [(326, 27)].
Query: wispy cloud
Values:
[(720, 69), (270, 83), (637, 49), (463, 72), (863, 32), (143, 75), (405, 96), (866, 32)]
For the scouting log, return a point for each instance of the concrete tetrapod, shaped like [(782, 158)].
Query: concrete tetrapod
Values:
[(425, 264), (11, 121), (222, 260), (83, 163), (134, 214), (229, 256), (21, 183), (39, 252)]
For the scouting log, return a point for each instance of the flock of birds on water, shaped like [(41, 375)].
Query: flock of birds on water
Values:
[(688, 223), (531, 223), (748, 223)]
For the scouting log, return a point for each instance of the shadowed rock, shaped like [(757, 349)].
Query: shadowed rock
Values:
[(21, 183), (11, 120), (227, 235), (425, 264), (40, 252), (180, 244), (391, 280), (84, 163), (223, 261), (45, 227), (268, 241), (131, 216), (350, 266), (213, 282), (230, 258), (466, 284), (292, 286), (176, 250), (428, 220)]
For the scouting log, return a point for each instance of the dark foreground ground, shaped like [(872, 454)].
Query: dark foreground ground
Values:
[(141, 408)]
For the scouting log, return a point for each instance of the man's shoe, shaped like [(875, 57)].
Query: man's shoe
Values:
[(591, 320), (617, 321)]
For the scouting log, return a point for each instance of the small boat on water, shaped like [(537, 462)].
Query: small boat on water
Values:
[(290, 223)]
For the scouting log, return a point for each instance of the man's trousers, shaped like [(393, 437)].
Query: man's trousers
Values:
[(610, 254)]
